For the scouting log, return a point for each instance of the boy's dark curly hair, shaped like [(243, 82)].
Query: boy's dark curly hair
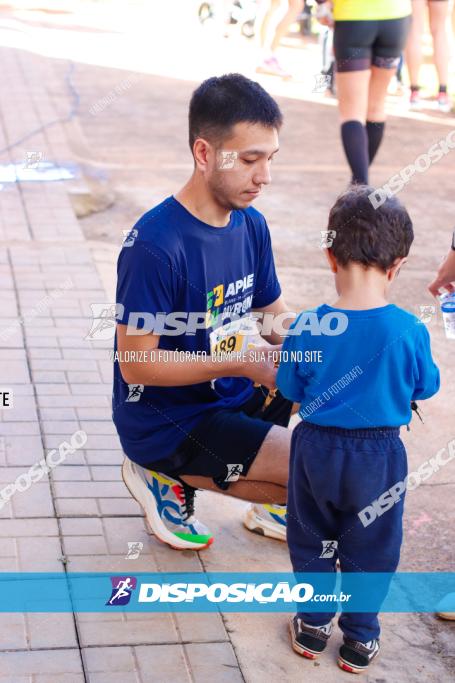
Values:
[(372, 237)]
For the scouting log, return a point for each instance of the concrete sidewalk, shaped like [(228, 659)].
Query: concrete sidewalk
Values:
[(81, 518)]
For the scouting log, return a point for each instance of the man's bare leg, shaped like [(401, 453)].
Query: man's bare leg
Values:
[(266, 481)]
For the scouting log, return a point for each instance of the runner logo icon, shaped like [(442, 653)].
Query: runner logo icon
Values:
[(134, 392), (327, 237), (234, 472), (122, 587), (103, 323), (129, 236), (329, 549), (134, 550), (426, 313)]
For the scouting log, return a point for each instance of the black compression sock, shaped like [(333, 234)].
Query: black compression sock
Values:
[(355, 143), (375, 133), (443, 88)]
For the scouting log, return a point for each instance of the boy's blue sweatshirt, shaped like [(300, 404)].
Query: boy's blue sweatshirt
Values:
[(364, 377)]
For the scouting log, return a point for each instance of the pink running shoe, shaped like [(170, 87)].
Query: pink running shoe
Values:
[(271, 66)]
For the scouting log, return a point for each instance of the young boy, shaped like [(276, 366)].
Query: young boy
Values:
[(355, 389)]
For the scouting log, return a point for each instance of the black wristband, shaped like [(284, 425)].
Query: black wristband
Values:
[(453, 240)]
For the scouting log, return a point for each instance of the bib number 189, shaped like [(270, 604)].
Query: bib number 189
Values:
[(229, 344)]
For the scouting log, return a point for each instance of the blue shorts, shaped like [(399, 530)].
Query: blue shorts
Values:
[(224, 444)]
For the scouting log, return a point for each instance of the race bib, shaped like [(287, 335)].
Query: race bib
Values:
[(233, 337)]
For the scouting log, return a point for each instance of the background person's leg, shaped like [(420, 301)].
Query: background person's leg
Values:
[(439, 11), (387, 55), (270, 63), (414, 42), (265, 22), (293, 11), (377, 93), (352, 92), (353, 95), (375, 133)]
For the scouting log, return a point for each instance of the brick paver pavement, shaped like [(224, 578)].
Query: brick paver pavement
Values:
[(80, 517)]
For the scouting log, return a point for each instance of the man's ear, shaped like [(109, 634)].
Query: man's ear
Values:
[(332, 260), (201, 151), (395, 268)]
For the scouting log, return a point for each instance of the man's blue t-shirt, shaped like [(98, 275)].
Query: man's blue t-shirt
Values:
[(364, 377), (177, 263)]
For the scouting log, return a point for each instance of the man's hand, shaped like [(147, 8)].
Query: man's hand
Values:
[(260, 365), (256, 364), (445, 277)]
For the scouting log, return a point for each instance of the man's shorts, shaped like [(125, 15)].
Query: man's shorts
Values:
[(224, 444), (359, 44)]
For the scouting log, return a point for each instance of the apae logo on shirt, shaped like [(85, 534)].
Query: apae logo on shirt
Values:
[(233, 297)]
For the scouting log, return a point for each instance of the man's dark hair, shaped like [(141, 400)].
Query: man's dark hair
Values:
[(372, 237), (222, 101)]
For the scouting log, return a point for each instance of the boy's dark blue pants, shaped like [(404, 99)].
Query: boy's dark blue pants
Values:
[(334, 474)]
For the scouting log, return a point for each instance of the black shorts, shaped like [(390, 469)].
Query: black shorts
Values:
[(359, 44), (224, 444)]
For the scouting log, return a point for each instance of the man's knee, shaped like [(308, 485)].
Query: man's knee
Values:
[(272, 461)]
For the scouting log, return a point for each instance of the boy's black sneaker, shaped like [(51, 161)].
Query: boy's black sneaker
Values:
[(309, 641), (355, 656)]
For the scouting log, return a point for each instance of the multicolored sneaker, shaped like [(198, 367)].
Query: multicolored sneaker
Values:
[(355, 656), (309, 641), (444, 103), (267, 520), (168, 505)]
